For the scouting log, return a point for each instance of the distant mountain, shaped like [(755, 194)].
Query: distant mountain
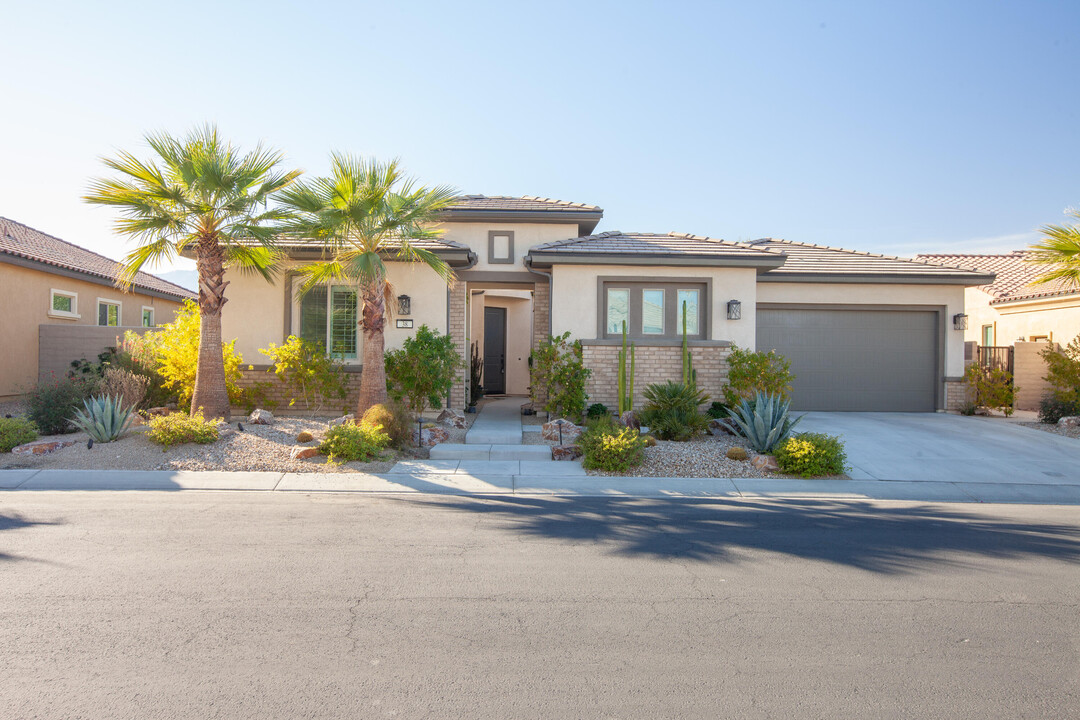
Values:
[(184, 278)]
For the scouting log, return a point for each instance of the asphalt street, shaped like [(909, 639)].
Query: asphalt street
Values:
[(274, 605)]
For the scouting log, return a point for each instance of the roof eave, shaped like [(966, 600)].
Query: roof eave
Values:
[(896, 278), (96, 278), (547, 259), (586, 220)]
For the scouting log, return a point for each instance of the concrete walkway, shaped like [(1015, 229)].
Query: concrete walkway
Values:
[(437, 478), (498, 423)]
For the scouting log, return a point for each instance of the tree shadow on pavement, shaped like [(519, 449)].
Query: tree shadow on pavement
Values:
[(14, 521), (878, 538)]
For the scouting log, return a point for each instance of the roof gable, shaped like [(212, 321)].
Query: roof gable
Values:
[(661, 248)]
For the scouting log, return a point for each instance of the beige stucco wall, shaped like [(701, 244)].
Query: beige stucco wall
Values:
[(255, 311), (25, 303), (575, 294), (526, 235), (1055, 318), (950, 296), (518, 304)]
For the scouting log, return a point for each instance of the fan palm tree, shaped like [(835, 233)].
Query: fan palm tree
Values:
[(364, 212), (1059, 251), (200, 194)]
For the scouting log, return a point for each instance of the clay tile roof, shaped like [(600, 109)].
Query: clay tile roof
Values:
[(807, 258), (1013, 272), (25, 242), (616, 242), (526, 203)]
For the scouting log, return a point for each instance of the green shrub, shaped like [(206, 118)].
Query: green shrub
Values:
[(672, 412), (991, 387), (423, 370), (308, 372), (1063, 368), (15, 432), (393, 419), (597, 410), (606, 445), (104, 418), (811, 455), (51, 404), (179, 428), (717, 410), (1055, 406), (764, 421), (750, 373), (354, 443), (557, 372)]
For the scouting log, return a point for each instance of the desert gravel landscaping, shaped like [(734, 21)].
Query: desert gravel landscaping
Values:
[(1064, 431)]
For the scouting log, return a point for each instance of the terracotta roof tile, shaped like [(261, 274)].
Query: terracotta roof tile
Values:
[(1013, 275), (23, 241)]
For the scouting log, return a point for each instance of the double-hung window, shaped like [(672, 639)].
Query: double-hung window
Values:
[(148, 316), (654, 310), (108, 313), (328, 316)]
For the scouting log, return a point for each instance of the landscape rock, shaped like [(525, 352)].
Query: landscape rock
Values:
[(224, 429), (261, 417), (766, 463), (1069, 421), (630, 419), (737, 453), (565, 452), (432, 436), (453, 419), (570, 431), (303, 453), (159, 411), (41, 447), (720, 427), (342, 420)]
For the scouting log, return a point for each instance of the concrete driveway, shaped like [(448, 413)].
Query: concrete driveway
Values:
[(949, 448)]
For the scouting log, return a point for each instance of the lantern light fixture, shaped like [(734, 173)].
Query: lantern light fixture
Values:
[(734, 310), (404, 305), (960, 321)]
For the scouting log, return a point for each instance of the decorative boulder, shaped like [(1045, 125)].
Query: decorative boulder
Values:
[(432, 436), (565, 452), (550, 431), (720, 427), (1070, 421), (342, 420), (737, 453), (303, 453), (261, 417), (766, 463), (452, 419), (630, 419), (41, 447)]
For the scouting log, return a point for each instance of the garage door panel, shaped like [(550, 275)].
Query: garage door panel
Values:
[(855, 360)]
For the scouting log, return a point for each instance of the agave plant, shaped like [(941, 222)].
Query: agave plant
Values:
[(764, 421), (104, 418)]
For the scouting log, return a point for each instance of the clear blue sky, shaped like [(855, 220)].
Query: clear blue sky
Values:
[(893, 127)]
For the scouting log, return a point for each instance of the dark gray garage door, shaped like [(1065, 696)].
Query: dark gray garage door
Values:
[(855, 360)]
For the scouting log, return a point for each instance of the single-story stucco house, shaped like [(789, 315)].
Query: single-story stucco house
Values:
[(863, 331), (59, 302), (1011, 308)]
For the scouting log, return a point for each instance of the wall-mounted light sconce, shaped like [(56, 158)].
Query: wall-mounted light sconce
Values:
[(404, 305), (959, 321), (734, 310)]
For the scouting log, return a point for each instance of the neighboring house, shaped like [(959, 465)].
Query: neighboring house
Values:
[(863, 331), (1011, 309), (46, 281)]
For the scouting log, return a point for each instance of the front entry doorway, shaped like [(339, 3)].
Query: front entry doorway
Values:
[(494, 380)]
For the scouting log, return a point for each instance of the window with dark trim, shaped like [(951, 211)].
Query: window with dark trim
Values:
[(328, 316), (654, 310), (501, 247)]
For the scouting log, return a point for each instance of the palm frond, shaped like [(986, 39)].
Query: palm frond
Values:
[(1059, 251)]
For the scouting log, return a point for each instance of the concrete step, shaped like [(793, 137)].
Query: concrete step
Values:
[(445, 451), (487, 468)]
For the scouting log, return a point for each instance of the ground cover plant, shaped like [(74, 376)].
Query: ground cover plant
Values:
[(811, 455), (751, 372), (15, 432), (178, 428), (350, 442), (607, 445)]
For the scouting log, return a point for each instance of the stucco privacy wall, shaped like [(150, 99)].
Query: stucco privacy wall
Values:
[(1029, 374), (526, 235), (255, 312), (26, 304), (949, 296), (575, 293)]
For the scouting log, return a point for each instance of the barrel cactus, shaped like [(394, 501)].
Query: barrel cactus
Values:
[(764, 422), (103, 418)]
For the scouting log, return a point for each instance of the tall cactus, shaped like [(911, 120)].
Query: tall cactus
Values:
[(689, 374), (626, 382)]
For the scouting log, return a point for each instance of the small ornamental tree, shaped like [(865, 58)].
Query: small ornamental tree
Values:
[(991, 388), (1063, 370), (750, 372), (558, 368), (422, 371), (308, 372)]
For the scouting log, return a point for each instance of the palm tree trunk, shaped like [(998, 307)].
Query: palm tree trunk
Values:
[(211, 394), (372, 322)]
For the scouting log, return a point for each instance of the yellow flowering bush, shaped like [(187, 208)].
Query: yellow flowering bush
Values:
[(607, 445), (811, 455)]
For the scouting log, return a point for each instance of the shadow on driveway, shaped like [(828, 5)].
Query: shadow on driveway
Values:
[(880, 539), (14, 521)]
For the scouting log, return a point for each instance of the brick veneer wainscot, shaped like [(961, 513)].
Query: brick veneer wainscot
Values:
[(653, 364)]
